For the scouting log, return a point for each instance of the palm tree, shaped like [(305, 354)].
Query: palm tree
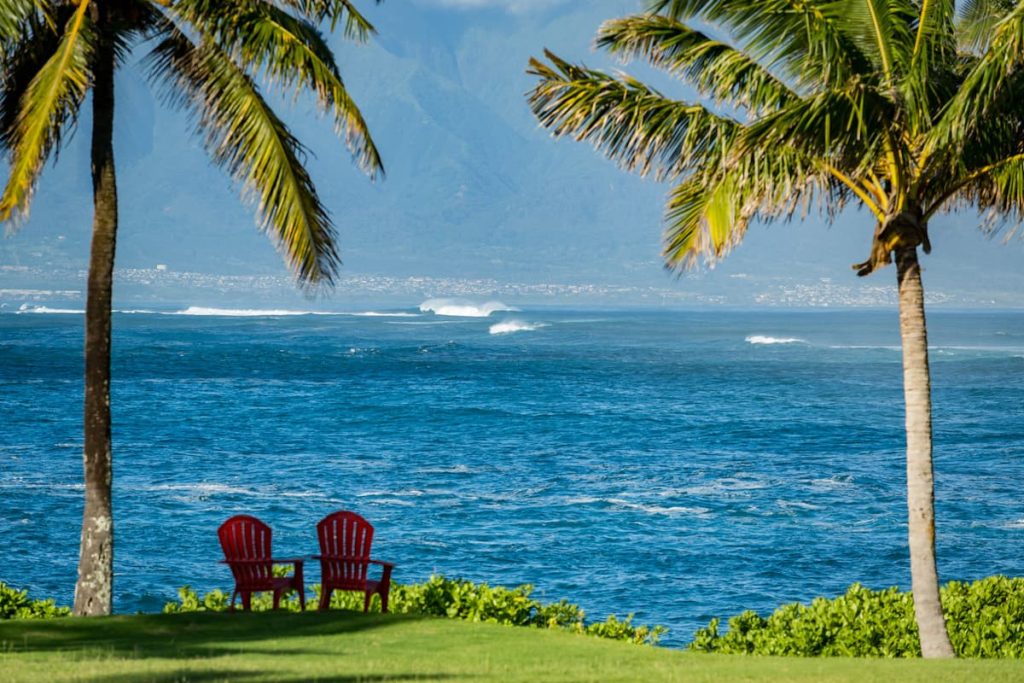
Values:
[(903, 106), (209, 56)]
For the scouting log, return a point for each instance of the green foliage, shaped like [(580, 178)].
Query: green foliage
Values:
[(454, 599), (984, 618), (15, 604)]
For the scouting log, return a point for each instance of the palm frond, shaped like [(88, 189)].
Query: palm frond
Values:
[(262, 37), (983, 86), (996, 190), (22, 57), (357, 27), (930, 79), (803, 39), (881, 30), (708, 213), (844, 128), (978, 19), (625, 120), (244, 135), (49, 103), (715, 68), (14, 13), (704, 219)]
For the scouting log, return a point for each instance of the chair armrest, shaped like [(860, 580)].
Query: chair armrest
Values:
[(390, 565), (270, 560)]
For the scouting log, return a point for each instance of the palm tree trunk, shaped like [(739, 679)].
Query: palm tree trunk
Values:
[(920, 480), (94, 590)]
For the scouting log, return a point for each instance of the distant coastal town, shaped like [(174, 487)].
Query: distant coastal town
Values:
[(164, 286)]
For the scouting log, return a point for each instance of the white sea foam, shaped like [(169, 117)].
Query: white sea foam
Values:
[(202, 489), (510, 326), (798, 504), (391, 494), (641, 507), (765, 339), (669, 510), (831, 483), (460, 308), (25, 308), (452, 469), (382, 314), (1015, 524)]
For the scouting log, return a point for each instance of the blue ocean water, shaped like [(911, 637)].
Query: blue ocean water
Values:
[(679, 465)]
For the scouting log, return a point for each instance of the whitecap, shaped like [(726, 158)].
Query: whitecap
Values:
[(453, 469), (510, 326), (460, 308), (798, 504), (382, 314), (201, 489), (669, 510), (831, 483), (390, 494), (765, 339), (25, 308)]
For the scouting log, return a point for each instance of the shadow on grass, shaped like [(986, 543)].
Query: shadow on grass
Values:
[(192, 676), (195, 634)]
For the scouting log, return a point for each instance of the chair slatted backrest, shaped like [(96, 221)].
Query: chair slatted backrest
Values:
[(345, 540), (244, 537)]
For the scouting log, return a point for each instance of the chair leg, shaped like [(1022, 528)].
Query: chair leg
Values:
[(277, 598), (384, 601), (366, 602), (302, 597), (325, 597), (234, 597), (247, 601)]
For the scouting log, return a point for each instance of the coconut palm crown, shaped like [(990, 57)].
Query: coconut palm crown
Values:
[(213, 58), (905, 107)]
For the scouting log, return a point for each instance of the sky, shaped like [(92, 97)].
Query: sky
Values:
[(475, 189)]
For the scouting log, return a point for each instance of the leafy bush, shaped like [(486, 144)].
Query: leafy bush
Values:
[(454, 599), (985, 619), (15, 604)]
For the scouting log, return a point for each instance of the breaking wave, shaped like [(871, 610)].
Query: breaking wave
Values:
[(25, 308), (765, 339), (510, 326), (463, 309)]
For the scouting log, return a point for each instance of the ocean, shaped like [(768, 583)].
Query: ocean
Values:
[(676, 465)]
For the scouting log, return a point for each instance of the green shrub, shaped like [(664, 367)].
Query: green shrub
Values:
[(15, 604), (985, 619), (451, 598)]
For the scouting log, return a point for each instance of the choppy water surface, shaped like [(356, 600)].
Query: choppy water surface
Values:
[(676, 465)]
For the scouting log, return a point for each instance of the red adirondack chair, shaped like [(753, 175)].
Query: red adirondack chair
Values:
[(345, 540), (246, 544)]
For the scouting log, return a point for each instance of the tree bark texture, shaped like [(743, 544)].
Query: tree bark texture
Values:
[(920, 477), (94, 590)]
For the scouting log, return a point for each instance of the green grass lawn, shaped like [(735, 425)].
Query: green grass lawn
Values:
[(345, 647)]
